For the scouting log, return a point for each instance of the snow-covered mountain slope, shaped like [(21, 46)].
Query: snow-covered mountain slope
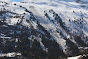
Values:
[(44, 29), (55, 0)]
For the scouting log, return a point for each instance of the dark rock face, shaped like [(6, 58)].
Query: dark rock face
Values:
[(23, 44)]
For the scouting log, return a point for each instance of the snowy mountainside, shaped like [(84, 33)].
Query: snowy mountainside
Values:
[(56, 0), (54, 29)]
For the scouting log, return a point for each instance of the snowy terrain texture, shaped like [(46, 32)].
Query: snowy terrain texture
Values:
[(44, 29)]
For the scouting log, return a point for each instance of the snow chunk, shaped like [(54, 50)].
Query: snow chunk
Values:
[(76, 57)]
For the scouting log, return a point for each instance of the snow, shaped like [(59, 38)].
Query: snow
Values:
[(5, 0), (13, 21), (3, 36), (48, 0), (13, 54), (76, 57)]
